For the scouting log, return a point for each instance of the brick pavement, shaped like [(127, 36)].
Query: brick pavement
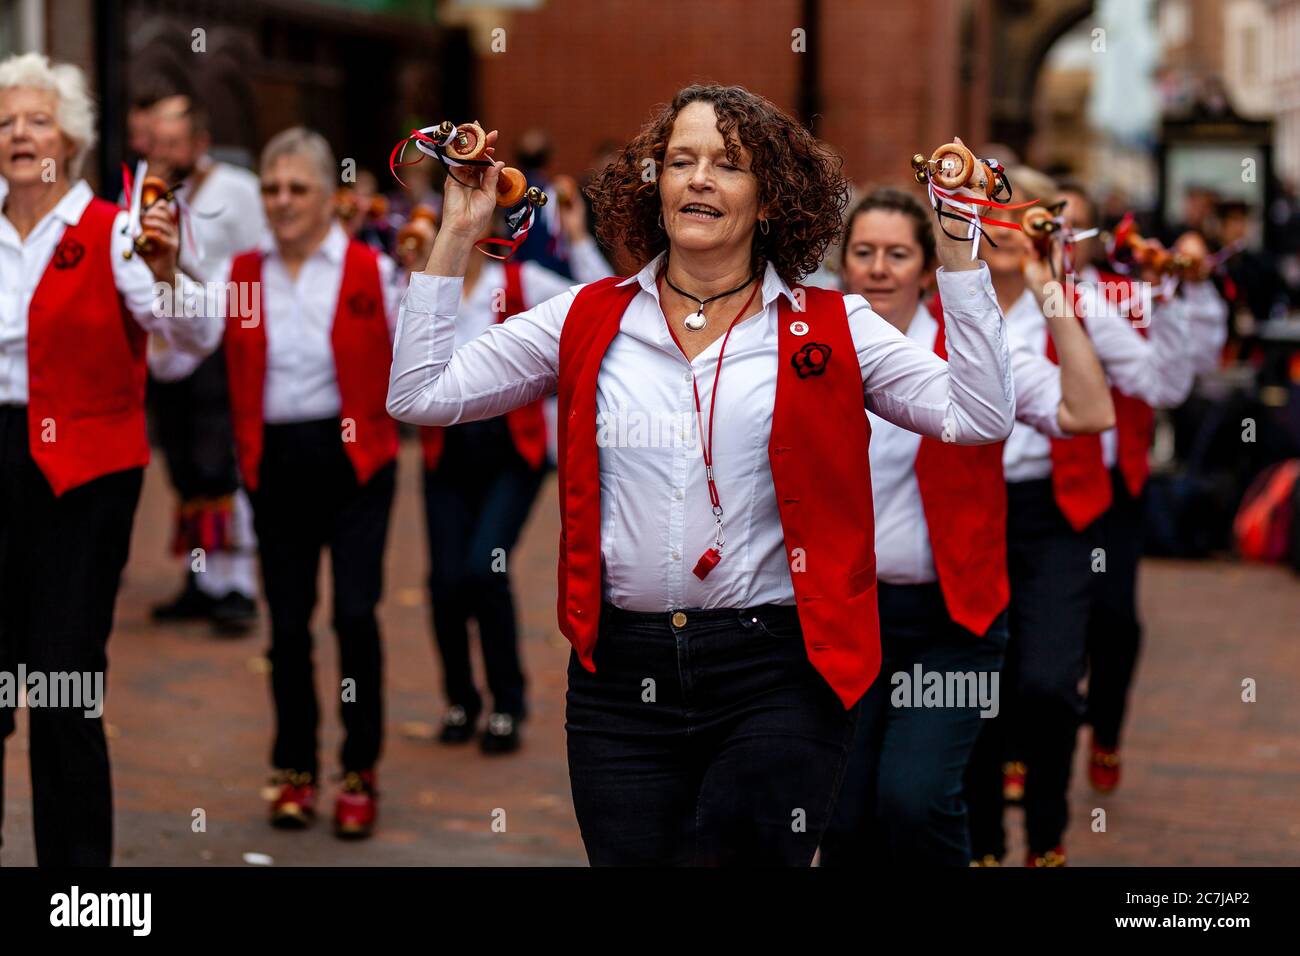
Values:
[(1209, 780)]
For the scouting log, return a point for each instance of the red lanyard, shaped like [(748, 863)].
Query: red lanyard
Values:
[(710, 558)]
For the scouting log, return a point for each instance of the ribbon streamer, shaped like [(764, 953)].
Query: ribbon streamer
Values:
[(967, 208)]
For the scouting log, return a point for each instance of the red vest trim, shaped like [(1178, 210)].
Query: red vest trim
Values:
[(1079, 476), (1135, 422), (362, 360), (820, 469), (527, 423), (964, 497), (85, 362)]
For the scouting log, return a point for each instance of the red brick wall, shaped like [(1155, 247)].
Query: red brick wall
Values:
[(587, 71)]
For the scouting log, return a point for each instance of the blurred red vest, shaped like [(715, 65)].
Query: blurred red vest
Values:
[(527, 423), (964, 496), (363, 355)]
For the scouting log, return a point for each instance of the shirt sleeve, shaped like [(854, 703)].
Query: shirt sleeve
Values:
[(1156, 369), (1207, 319), (176, 314), (1038, 388), (969, 399), (511, 364), (586, 262)]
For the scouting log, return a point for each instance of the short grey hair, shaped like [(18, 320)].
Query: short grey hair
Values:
[(300, 141), (75, 112)]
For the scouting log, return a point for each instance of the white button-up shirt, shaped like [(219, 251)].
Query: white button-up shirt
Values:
[(23, 263), (298, 314), (226, 217), (903, 551), (656, 519), (1157, 368)]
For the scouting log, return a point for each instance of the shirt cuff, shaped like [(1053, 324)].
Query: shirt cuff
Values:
[(970, 290), (434, 295)]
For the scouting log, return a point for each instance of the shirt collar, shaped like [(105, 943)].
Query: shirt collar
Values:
[(332, 248), (773, 284)]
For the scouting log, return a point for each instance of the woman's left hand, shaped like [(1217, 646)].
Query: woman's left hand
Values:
[(164, 259)]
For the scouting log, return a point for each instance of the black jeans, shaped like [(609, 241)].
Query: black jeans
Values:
[(901, 802), (712, 743), (308, 499), (1114, 631), (476, 503), (61, 562), (1052, 585)]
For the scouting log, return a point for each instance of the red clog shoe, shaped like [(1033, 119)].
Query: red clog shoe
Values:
[(294, 806), (357, 806), (1103, 768)]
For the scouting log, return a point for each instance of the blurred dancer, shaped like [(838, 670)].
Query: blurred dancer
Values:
[(941, 554), (192, 414), (480, 481), (1056, 492), (1114, 630), (74, 317)]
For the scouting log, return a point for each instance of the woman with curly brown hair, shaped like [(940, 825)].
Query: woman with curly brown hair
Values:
[(721, 547)]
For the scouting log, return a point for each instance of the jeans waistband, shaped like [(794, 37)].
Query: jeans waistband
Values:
[(767, 613)]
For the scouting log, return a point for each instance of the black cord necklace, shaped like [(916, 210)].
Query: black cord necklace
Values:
[(696, 320)]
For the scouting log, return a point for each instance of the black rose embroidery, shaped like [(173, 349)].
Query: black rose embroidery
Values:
[(811, 359), (68, 254), (362, 305)]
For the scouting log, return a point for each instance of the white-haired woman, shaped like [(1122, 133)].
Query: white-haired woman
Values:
[(316, 448), (74, 318)]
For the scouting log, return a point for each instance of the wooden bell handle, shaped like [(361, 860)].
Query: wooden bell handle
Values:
[(417, 229), (151, 191), (511, 186)]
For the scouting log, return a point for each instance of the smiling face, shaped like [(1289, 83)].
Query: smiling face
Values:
[(708, 202), (30, 134), (298, 206), (884, 263)]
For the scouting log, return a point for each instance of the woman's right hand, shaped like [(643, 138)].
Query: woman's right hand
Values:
[(466, 210)]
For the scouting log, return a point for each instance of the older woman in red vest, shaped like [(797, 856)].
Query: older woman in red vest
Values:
[(308, 378), (75, 315), (941, 557), (480, 481), (716, 570), (1057, 489)]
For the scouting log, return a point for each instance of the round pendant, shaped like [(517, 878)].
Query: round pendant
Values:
[(694, 321)]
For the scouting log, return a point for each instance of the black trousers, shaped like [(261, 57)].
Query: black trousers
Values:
[(61, 562), (901, 803), (1114, 631), (712, 743), (308, 499), (1052, 584), (193, 428), (476, 503)]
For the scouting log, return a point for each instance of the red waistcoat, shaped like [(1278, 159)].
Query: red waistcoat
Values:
[(363, 355), (1134, 419), (820, 470), (1079, 476), (527, 423), (964, 496), (85, 362)]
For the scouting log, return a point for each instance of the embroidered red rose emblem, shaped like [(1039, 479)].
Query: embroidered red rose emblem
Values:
[(811, 359), (68, 253), (362, 305)]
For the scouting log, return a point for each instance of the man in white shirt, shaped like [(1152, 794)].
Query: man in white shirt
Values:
[(192, 415)]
